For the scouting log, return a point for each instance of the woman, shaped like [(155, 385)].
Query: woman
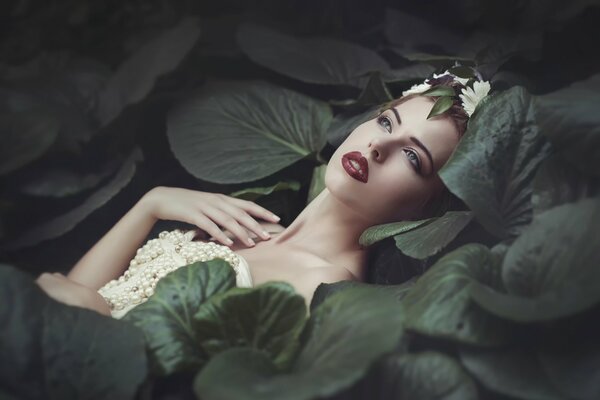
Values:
[(384, 171)]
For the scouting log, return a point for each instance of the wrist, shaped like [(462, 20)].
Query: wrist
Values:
[(148, 205)]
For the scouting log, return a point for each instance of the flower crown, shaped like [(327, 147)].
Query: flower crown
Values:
[(459, 81)]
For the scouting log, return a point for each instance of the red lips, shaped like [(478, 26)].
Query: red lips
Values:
[(360, 175)]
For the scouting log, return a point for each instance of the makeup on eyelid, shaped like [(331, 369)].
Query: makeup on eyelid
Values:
[(418, 167)]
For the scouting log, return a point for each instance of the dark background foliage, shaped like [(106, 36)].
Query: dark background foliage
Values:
[(92, 99), (60, 55)]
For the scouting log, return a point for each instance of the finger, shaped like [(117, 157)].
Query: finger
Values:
[(205, 223), (246, 220), (254, 209), (230, 223)]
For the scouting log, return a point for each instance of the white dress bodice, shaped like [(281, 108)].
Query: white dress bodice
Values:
[(155, 259)]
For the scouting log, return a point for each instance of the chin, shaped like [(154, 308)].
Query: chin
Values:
[(345, 189)]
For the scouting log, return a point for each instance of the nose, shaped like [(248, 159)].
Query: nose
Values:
[(379, 148)]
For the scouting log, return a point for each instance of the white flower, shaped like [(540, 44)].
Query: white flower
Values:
[(471, 97), (418, 88)]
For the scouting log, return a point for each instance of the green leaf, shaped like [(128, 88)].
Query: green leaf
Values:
[(494, 164), (324, 290), (61, 182), (569, 118), (167, 317), (572, 367), (314, 60), (135, 77), (510, 371), (375, 91), (462, 71), (377, 233), (416, 71), (441, 104), (317, 182), (343, 336), (423, 376), (428, 239), (240, 132), (400, 28), (439, 304), (26, 135), (257, 192), (343, 124), (439, 91), (54, 351), (550, 271), (62, 224), (268, 317), (558, 182)]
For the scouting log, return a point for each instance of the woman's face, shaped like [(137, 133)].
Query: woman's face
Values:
[(397, 177)]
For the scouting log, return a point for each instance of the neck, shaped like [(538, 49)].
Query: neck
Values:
[(329, 229)]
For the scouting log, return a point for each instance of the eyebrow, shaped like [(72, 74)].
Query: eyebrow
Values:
[(415, 140)]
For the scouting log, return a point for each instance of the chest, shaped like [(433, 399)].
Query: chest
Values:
[(269, 263)]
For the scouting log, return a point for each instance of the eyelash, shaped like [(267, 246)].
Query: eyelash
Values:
[(380, 120)]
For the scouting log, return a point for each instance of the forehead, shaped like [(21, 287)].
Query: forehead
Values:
[(413, 114), (438, 134)]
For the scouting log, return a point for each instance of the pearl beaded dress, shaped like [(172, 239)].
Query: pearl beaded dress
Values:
[(170, 251)]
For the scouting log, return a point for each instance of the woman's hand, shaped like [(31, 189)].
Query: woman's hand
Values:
[(209, 210)]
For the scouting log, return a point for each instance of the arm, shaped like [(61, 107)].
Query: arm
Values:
[(108, 258)]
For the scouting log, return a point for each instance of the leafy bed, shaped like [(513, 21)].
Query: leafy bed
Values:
[(508, 314)]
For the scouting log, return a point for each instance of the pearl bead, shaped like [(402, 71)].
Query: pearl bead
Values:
[(152, 262)]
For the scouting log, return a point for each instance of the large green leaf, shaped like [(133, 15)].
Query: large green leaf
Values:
[(62, 224), (378, 233), (510, 371), (26, 135), (551, 270), (61, 182), (240, 132), (570, 118), (494, 164), (314, 60), (415, 71), (53, 351), (400, 28), (573, 365), (257, 192), (558, 182), (135, 77), (343, 336), (344, 123), (317, 182), (439, 304), (424, 376), (167, 317), (428, 239), (268, 317)]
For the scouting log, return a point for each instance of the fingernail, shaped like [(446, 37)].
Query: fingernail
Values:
[(266, 234), (276, 217), (251, 242), (229, 241)]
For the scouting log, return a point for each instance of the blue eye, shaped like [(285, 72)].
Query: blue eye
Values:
[(416, 158), (383, 120)]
